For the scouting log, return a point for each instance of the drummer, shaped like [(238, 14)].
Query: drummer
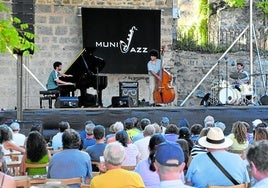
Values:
[(240, 76)]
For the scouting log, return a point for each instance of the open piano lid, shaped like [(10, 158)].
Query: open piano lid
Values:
[(85, 63)]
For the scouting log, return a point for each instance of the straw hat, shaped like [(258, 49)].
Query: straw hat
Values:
[(215, 139)]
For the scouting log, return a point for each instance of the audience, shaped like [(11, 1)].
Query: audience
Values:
[(131, 151), (115, 176), (6, 142), (220, 124), (118, 126), (261, 133), (169, 164), (195, 131), (183, 123), (89, 139), (70, 162), (239, 137), (209, 121), (36, 153), (97, 149), (203, 171), (257, 157), (146, 167), (172, 133), (57, 139), (164, 123), (83, 133), (18, 138), (6, 180), (143, 143), (184, 133), (143, 123), (132, 131)]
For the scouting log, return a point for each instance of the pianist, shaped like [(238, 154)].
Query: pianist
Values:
[(53, 81)]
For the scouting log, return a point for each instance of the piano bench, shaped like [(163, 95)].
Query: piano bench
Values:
[(48, 95)]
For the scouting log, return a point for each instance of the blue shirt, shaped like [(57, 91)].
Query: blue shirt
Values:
[(155, 67), (202, 171), (261, 184), (96, 151), (70, 163)]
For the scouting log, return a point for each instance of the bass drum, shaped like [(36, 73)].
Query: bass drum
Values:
[(229, 95)]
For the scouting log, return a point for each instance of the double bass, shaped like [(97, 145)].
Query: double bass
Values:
[(164, 91)]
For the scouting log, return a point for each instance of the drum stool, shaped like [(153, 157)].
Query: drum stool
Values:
[(48, 95)]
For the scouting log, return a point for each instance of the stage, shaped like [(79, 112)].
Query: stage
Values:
[(49, 118)]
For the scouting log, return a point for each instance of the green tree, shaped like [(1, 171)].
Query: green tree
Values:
[(14, 35)]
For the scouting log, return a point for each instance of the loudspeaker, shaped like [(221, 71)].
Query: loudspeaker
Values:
[(130, 89), (66, 102), (264, 100), (122, 101)]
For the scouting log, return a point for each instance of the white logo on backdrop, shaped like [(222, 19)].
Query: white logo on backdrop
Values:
[(124, 47)]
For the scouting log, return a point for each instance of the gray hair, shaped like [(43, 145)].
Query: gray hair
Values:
[(89, 128), (118, 126), (258, 154), (149, 130), (114, 153)]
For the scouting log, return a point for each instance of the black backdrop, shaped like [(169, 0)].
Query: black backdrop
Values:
[(122, 37)]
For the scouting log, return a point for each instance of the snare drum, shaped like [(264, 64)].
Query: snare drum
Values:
[(229, 95), (246, 89)]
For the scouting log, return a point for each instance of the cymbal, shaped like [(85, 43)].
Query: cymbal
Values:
[(237, 75)]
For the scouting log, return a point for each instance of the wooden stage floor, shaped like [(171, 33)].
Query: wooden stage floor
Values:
[(106, 116)]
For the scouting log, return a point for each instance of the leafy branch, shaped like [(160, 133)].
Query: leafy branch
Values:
[(14, 35)]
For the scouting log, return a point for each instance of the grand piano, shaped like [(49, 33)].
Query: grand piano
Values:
[(85, 70)]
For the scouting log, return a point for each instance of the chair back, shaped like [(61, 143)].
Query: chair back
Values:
[(244, 185), (131, 168), (69, 181)]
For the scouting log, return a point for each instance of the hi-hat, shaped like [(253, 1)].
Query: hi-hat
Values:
[(237, 75)]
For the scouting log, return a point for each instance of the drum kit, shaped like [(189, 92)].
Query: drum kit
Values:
[(232, 94)]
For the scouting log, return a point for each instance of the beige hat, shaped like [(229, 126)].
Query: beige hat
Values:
[(215, 139)]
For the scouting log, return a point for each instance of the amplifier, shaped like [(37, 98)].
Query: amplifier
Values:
[(66, 102), (130, 89), (122, 101)]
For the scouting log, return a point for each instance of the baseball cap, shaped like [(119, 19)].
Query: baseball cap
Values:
[(169, 154), (256, 122), (164, 120), (15, 126)]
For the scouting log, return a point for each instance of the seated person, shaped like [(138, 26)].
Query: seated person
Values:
[(96, 150), (70, 162), (57, 139), (54, 81), (89, 140), (115, 176)]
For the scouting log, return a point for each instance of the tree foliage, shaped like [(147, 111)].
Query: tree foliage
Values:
[(14, 35)]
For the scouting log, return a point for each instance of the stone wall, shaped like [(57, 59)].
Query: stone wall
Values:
[(59, 38)]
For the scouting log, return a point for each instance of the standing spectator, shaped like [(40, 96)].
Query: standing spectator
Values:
[(169, 164), (132, 152), (146, 167), (257, 156), (36, 153), (70, 162), (18, 138), (203, 171), (115, 176), (97, 149), (89, 140), (143, 143), (57, 139), (239, 137)]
